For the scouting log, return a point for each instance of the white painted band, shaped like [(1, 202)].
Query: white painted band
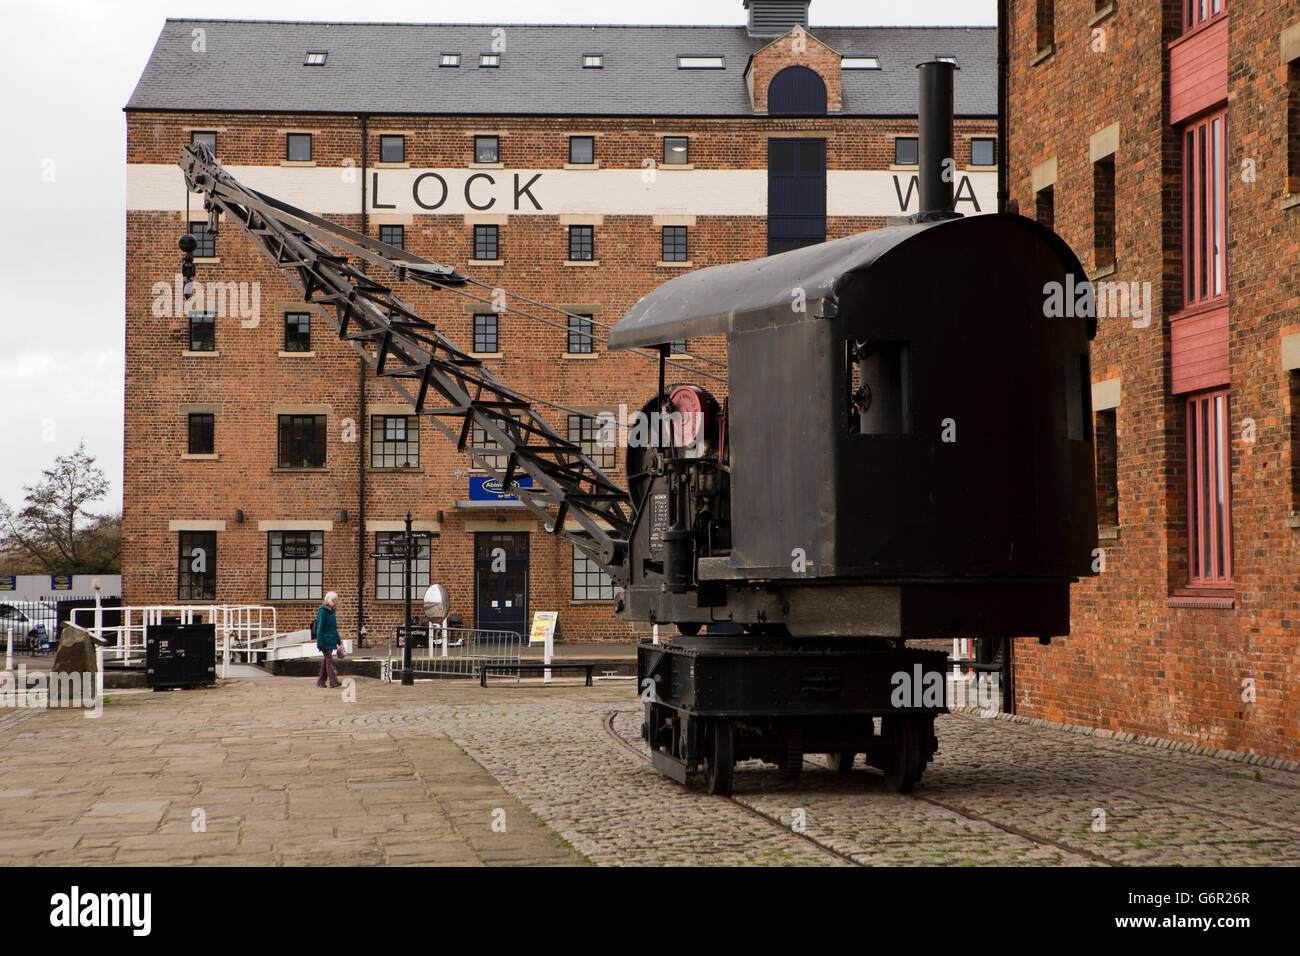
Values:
[(605, 192)]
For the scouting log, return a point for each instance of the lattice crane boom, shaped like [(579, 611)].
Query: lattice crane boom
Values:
[(315, 254)]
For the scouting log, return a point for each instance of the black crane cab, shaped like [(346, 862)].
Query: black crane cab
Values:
[(904, 452), (907, 440)]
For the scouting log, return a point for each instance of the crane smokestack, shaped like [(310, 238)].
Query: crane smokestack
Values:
[(934, 152)]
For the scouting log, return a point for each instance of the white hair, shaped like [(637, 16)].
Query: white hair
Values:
[(331, 598)]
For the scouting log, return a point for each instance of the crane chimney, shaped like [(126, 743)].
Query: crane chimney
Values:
[(934, 151)]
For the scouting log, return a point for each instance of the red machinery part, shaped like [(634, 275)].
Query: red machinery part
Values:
[(692, 406)]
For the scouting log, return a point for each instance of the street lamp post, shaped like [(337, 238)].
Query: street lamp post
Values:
[(408, 675)]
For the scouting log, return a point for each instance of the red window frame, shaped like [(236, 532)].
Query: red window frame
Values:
[(1197, 13), (1205, 209), (1209, 490)]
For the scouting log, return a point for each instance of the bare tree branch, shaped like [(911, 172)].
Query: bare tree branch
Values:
[(55, 526)]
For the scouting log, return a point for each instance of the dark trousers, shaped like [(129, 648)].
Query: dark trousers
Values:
[(327, 669)]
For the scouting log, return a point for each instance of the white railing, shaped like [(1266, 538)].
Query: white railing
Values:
[(241, 629)]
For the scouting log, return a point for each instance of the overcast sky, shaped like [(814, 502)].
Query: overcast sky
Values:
[(67, 68)]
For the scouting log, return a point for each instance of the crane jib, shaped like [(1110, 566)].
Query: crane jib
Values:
[(315, 255)]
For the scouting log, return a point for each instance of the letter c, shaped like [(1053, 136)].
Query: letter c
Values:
[(470, 182)]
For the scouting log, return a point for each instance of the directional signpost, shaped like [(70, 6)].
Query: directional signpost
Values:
[(407, 549)]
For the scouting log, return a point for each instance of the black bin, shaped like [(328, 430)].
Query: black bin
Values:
[(181, 655)]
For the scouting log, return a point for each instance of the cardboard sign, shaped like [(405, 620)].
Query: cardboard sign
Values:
[(545, 624)]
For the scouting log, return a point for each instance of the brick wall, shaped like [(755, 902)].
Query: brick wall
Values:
[(1134, 662), (797, 48), (248, 377)]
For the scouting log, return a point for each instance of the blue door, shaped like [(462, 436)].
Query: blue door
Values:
[(501, 582), (796, 193)]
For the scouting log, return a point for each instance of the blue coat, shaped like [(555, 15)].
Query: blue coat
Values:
[(327, 629)]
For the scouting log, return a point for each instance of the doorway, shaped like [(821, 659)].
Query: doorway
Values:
[(501, 582)]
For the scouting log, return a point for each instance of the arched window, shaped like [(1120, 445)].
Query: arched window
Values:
[(796, 90)]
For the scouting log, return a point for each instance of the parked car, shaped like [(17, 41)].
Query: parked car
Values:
[(31, 634)]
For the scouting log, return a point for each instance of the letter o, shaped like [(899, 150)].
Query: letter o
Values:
[(415, 191)]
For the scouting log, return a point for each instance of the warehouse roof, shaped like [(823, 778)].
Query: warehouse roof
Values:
[(247, 65)]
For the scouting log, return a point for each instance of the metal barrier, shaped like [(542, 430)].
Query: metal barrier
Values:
[(245, 630), (458, 652), (34, 625)]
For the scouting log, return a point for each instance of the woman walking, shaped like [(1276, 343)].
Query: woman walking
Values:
[(327, 639)]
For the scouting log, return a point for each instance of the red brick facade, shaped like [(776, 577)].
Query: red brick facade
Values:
[(797, 48), (248, 381), (1147, 654)]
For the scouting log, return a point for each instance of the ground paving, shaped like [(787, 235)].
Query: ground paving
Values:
[(275, 771)]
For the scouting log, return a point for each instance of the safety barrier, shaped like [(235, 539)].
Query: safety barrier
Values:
[(246, 631), (33, 625), (457, 652)]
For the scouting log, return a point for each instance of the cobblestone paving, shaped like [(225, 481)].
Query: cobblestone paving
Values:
[(289, 774)]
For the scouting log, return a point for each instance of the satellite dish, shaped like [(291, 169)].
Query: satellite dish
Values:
[(437, 603)]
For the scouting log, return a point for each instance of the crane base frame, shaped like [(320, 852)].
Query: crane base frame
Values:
[(712, 701)]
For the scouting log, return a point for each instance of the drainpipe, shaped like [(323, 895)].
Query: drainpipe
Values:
[(1004, 44), (1004, 197), (361, 418)]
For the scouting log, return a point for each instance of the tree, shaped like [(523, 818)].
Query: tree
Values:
[(55, 533)]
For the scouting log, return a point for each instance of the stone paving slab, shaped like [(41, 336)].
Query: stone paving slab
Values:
[(256, 767)]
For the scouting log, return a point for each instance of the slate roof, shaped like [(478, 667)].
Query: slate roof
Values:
[(258, 66)]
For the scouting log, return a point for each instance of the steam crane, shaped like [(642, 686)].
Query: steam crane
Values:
[(905, 453)]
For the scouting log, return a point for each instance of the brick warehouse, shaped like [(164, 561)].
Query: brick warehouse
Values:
[(1162, 141), (578, 166)]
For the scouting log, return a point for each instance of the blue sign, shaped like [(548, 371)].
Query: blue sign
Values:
[(482, 488), (8, 582), (60, 582)]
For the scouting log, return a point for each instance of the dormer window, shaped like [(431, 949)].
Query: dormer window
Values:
[(450, 59), (700, 63), (489, 60), (859, 63), (593, 61), (315, 58)]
